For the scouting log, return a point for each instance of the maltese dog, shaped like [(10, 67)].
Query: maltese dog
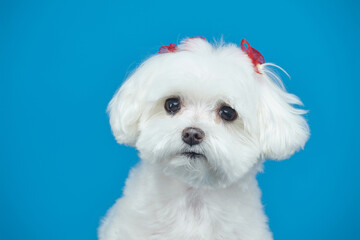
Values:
[(203, 117)]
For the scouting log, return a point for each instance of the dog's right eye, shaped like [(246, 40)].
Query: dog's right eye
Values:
[(172, 105)]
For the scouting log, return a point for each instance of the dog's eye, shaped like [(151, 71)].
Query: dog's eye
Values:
[(172, 105), (227, 113)]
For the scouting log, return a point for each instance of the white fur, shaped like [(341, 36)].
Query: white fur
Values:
[(168, 196)]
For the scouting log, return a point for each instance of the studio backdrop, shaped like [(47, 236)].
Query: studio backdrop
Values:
[(62, 61)]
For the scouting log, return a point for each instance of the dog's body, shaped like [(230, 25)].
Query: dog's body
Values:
[(203, 118), (157, 207)]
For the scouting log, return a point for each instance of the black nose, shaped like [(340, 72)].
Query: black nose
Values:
[(192, 136)]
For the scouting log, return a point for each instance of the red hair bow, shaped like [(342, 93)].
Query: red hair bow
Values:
[(255, 56), (172, 47), (166, 49), (203, 38)]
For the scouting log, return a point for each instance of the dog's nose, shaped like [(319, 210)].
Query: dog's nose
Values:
[(192, 136)]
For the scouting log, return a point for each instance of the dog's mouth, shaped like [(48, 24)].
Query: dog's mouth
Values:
[(193, 155)]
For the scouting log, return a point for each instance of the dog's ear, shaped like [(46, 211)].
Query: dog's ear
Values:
[(283, 129), (124, 112)]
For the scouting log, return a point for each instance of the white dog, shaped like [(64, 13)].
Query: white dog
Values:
[(204, 118)]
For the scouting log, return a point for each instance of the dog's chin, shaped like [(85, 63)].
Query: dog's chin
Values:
[(194, 169)]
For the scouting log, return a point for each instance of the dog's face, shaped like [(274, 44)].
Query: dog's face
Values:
[(203, 115)]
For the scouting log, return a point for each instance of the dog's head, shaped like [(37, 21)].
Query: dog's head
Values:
[(205, 115)]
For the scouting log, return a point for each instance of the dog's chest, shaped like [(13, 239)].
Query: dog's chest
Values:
[(192, 217)]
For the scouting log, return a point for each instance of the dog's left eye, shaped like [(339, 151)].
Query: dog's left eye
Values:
[(172, 105), (227, 113)]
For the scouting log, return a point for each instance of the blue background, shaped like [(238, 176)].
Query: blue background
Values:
[(61, 62)]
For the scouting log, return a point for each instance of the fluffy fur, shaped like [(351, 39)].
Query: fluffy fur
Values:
[(169, 196)]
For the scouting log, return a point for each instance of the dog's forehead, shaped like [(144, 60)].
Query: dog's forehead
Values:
[(202, 76)]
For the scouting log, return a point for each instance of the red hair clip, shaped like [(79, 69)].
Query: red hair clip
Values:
[(197, 37), (166, 49), (255, 56), (172, 47)]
